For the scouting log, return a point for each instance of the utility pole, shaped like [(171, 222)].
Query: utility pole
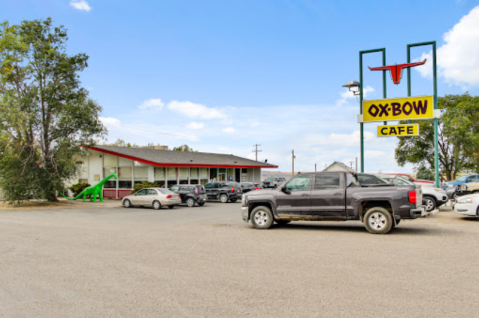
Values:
[(315, 168), (256, 150), (356, 164), (351, 165), (293, 157)]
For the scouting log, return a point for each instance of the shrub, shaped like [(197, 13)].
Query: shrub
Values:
[(78, 188), (138, 186)]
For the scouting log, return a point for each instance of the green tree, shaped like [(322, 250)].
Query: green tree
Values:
[(185, 148), (424, 173), (45, 115), (458, 136)]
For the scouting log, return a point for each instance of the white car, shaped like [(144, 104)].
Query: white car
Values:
[(433, 197), (152, 197), (467, 205)]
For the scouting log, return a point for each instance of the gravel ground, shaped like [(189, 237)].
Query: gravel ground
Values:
[(108, 261)]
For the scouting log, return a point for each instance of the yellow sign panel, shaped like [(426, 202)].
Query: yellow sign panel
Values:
[(406, 108), (398, 130)]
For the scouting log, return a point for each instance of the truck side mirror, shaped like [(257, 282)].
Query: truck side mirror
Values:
[(285, 190)]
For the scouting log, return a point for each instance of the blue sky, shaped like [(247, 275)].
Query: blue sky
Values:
[(224, 75)]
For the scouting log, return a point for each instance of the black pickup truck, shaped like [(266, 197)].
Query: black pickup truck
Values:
[(333, 196)]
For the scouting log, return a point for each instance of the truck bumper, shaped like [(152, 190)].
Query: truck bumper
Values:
[(417, 213), (244, 213)]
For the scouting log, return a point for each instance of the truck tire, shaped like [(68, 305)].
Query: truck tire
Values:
[(224, 198), (430, 203), (262, 218), (378, 220)]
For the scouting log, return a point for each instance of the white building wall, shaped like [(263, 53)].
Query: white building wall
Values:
[(95, 162)]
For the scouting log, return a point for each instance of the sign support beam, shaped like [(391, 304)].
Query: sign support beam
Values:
[(361, 95), (434, 70)]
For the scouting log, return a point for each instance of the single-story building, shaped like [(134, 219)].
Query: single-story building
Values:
[(165, 167)]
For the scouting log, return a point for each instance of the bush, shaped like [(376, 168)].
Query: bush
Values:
[(78, 188), (138, 186), (425, 174)]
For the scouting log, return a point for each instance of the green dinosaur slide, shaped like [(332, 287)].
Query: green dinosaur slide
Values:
[(93, 191)]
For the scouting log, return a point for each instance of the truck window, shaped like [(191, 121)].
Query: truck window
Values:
[(369, 180), (326, 181), (300, 183)]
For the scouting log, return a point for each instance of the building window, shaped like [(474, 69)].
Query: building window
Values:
[(160, 176), (141, 174), (203, 175), (194, 176), (110, 184), (171, 177), (183, 174)]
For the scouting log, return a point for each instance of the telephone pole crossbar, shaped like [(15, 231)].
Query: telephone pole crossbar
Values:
[(256, 150)]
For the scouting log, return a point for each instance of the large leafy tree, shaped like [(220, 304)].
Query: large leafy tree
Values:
[(45, 114), (458, 136)]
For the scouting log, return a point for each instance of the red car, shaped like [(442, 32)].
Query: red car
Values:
[(411, 179)]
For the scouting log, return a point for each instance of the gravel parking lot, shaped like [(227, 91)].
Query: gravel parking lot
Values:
[(87, 261)]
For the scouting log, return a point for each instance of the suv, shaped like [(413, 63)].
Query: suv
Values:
[(333, 196), (223, 191), (190, 194), (273, 182), (250, 186)]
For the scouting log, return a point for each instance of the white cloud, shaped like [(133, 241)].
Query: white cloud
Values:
[(154, 104), (80, 5), (457, 59), (196, 110), (110, 122), (195, 125), (229, 130)]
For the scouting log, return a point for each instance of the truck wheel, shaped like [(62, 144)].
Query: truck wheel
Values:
[(282, 222), (377, 220), (430, 203), (224, 198), (190, 202), (261, 217)]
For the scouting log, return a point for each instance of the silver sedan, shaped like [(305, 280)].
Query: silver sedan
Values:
[(154, 197)]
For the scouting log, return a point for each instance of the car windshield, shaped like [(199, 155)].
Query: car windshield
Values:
[(165, 191), (461, 178), (269, 179), (209, 185)]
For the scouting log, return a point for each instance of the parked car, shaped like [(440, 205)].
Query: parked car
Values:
[(223, 191), (250, 186), (433, 198), (154, 197), (410, 178), (191, 194), (467, 205), (461, 180), (467, 188), (333, 196), (273, 182)]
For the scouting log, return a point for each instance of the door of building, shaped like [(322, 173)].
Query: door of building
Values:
[(244, 175)]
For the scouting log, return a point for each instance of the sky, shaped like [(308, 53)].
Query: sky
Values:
[(222, 76)]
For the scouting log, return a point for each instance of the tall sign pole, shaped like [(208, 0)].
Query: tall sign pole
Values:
[(361, 94), (434, 70)]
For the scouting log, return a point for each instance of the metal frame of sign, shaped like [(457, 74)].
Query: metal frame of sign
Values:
[(361, 94)]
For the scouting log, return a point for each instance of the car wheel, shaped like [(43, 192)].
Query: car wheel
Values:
[(171, 206), (127, 204), (282, 222), (261, 217), (156, 205), (233, 200), (223, 198), (378, 220), (430, 203), (201, 203), (190, 202)]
